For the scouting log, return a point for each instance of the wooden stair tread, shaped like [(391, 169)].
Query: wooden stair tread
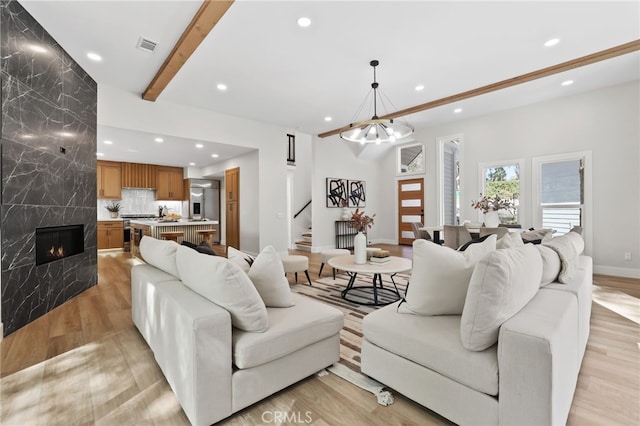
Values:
[(304, 243)]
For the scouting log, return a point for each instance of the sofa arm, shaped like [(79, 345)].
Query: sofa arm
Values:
[(192, 346), (538, 361)]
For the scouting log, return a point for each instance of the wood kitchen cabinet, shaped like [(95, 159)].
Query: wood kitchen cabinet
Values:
[(110, 234), (137, 175), (170, 183), (109, 178)]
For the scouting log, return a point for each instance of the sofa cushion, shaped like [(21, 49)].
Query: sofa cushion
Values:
[(502, 283), (433, 342), (509, 240), (440, 277), (550, 264), (267, 274), (226, 285), (290, 329), (160, 253), (567, 247), (240, 258)]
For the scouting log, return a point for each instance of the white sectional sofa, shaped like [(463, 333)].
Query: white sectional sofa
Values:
[(527, 378), (214, 368)]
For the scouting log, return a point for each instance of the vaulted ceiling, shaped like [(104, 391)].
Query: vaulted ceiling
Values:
[(278, 72)]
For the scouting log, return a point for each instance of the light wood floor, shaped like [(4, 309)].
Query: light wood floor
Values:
[(85, 363)]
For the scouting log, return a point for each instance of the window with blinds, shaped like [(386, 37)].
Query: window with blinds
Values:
[(562, 194)]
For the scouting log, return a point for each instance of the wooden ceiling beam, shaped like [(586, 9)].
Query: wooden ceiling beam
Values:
[(202, 23), (613, 52)]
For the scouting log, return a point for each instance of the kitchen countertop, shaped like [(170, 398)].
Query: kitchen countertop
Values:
[(181, 222), (110, 219)]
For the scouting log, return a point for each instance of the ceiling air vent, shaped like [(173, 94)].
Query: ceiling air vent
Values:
[(146, 45)]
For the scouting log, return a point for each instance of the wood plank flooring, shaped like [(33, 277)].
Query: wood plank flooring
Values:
[(85, 363)]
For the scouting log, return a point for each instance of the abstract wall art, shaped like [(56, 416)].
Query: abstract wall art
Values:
[(357, 193), (336, 192)]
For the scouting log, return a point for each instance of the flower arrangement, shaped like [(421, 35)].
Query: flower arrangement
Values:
[(487, 204), (361, 221)]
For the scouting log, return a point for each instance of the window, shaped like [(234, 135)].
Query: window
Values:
[(502, 180), (560, 191)]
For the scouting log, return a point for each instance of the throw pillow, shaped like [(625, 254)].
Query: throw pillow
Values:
[(474, 241), (502, 283), (440, 277), (160, 253), (226, 285), (203, 247), (536, 236), (510, 240), (550, 264), (576, 240), (565, 246), (267, 274), (240, 258)]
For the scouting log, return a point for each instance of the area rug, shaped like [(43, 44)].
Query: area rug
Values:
[(328, 290)]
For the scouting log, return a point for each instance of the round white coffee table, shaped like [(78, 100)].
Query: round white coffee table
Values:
[(381, 295)]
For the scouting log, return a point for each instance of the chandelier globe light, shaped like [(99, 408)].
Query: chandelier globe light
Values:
[(376, 130)]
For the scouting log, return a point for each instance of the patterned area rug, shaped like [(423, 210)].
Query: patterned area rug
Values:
[(328, 290)]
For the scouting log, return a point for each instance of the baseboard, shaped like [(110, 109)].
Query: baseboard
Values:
[(616, 272)]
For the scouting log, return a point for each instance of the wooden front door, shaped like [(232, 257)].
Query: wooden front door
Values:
[(232, 200), (410, 208)]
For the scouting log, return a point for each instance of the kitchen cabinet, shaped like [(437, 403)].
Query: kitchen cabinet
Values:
[(110, 234), (137, 175), (109, 179), (170, 183)]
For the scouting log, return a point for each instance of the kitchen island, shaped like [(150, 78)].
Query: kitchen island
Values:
[(154, 228)]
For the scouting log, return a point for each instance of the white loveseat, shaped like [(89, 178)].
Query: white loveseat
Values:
[(214, 368), (527, 378)]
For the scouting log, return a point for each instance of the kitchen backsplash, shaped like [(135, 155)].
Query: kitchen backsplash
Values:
[(138, 201)]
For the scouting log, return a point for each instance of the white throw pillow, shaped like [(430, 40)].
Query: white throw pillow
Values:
[(440, 277), (267, 274), (160, 253), (502, 283), (226, 285), (577, 241), (240, 258), (510, 240), (550, 264)]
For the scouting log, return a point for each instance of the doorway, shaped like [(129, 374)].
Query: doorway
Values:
[(410, 208), (232, 210)]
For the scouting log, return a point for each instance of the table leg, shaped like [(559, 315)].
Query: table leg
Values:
[(376, 277)]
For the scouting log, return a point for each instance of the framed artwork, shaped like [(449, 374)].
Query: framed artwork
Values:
[(336, 192), (357, 193)]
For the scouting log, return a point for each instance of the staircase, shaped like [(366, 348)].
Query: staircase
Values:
[(306, 242)]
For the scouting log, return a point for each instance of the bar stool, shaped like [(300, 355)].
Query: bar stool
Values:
[(207, 235), (296, 263), (173, 235)]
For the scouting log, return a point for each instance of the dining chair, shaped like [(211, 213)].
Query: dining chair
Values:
[(499, 231), (456, 235), (420, 233)]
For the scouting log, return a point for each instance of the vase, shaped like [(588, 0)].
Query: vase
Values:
[(360, 248), (114, 214), (491, 219), (345, 213)]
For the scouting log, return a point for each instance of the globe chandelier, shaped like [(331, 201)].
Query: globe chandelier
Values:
[(376, 130)]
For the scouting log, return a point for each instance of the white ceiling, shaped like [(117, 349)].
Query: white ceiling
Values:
[(280, 73)]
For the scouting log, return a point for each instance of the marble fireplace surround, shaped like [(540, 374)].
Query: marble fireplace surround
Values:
[(48, 167)]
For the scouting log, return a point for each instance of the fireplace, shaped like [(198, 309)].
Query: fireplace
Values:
[(57, 242)]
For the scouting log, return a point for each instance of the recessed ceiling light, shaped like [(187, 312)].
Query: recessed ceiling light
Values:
[(94, 56), (199, 145), (457, 110), (37, 48), (304, 22), (419, 87), (215, 155), (108, 142), (221, 87), (99, 154), (327, 118), (192, 164), (551, 42), (159, 140), (567, 82)]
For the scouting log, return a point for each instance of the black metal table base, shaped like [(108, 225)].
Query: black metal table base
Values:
[(374, 295)]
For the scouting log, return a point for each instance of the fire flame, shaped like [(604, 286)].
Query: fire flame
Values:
[(56, 252)]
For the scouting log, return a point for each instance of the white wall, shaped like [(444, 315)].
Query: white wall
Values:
[(604, 121), (118, 108)]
